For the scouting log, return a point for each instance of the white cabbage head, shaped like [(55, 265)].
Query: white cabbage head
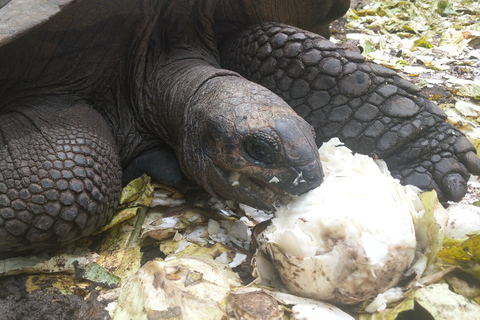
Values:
[(349, 239)]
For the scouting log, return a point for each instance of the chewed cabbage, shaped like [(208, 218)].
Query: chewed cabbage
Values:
[(349, 239)]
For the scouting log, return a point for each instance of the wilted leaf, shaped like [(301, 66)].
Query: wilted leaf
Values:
[(173, 220), (368, 47), (452, 41), (138, 192), (162, 285), (423, 43), (308, 309), (430, 228), (445, 7), (476, 144), (463, 219), (119, 251), (184, 249), (366, 12), (443, 304), (469, 90), (119, 217), (256, 304), (468, 109), (464, 284), (130, 262), (96, 274), (193, 278), (463, 253), (43, 263), (391, 313), (166, 196), (435, 302), (174, 193), (66, 284)]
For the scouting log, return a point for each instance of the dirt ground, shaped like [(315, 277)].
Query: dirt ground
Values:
[(17, 304)]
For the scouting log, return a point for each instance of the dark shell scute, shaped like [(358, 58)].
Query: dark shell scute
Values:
[(399, 106), (355, 84)]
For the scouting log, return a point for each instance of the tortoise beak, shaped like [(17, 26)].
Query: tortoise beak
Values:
[(302, 179), (302, 169), (309, 177)]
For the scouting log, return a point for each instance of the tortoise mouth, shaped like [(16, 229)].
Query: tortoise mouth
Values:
[(277, 191), (263, 195)]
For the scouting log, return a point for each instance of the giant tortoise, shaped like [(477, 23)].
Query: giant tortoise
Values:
[(232, 95)]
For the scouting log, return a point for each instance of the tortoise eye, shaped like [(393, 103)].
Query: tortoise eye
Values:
[(260, 150)]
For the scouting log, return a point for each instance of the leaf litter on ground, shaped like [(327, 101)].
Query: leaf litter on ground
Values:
[(430, 42)]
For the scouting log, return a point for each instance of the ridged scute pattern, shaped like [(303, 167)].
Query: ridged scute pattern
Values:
[(369, 107), (336, 91), (59, 179)]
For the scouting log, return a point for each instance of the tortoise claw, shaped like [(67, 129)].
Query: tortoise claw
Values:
[(471, 162), (454, 187), (441, 170)]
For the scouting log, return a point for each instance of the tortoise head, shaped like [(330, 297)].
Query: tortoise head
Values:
[(244, 143)]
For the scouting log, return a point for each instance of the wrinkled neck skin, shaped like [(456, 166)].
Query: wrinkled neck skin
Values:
[(233, 137), (172, 90)]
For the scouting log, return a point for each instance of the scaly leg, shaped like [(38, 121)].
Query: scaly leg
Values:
[(60, 175), (370, 108)]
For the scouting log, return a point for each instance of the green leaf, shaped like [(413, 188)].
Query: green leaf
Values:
[(445, 7), (368, 47), (95, 273)]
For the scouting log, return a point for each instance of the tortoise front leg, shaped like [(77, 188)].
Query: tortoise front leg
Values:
[(371, 109), (161, 164), (59, 173)]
